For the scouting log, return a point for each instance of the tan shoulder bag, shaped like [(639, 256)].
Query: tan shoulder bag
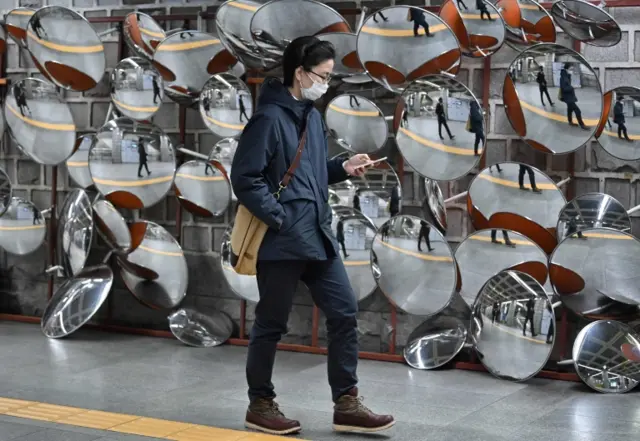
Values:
[(248, 231)]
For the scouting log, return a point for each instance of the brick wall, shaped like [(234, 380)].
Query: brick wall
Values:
[(23, 284)]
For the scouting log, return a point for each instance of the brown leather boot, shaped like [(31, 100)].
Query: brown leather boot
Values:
[(350, 415), (265, 416)]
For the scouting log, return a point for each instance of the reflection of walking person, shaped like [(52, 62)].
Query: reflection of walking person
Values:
[(405, 119), (442, 119), (206, 104), (21, 99), (142, 158), (495, 312), (424, 234), (352, 99), (476, 125), (356, 200), (618, 118), (461, 5), (394, 202), (505, 236), (529, 317), (340, 237), (568, 96), (572, 227), (416, 15), (384, 232), (243, 111), (542, 85), (36, 215), (482, 7), (156, 90), (551, 329), (375, 17), (208, 167), (37, 26), (532, 178)]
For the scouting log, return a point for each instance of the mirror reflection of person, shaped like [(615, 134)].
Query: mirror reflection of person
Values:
[(542, 85), (243, 111), (476, 125), (568, 96), (572, 227), (142, 158), (442, 120), (208, 167), (185, 26), (416, 15), (619, 119), (384, 232), (505, 236), (340, 237), (482, 7), (462, 5), (21, 99), (425, 229), (495, 312), (356, 200), (206, 104), (532, 178), (394, 202), (156, 90), (36, 215), (497, 167), (405, 119), (375, 16), (550, 330), (531, 304), (37, 27), (353, 99)]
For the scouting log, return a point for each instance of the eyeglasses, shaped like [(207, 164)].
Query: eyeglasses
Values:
[(325, 79)]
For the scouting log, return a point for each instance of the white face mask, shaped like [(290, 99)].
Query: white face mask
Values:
[(315, 91)]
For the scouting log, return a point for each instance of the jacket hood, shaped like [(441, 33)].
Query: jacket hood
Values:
[(273, 92)]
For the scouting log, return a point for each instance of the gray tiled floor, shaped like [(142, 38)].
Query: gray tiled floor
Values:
[(164, 379)]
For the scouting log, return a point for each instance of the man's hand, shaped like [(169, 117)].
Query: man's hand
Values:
[(355, 165)]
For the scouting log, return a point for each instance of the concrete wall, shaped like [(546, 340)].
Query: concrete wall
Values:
[(23, 284)]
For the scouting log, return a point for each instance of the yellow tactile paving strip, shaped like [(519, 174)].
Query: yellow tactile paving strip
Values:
[(121, 423)]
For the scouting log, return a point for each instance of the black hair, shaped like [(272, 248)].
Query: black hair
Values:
[(567, 66), (307, 52), (620, 97)]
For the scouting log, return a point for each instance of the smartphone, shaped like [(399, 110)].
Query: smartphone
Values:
[(370, 163)]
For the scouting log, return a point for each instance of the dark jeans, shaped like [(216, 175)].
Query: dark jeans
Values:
[(622, 129), (505, 236), (543, 92), (424, 235), (573, 108), (143, 164), (443, 122), (344, 248), (331, 291), (532, 177), (479, 138), (529, 319), (420, 22), (550, 331)]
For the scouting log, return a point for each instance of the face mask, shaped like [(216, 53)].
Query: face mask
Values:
[(315, 91)]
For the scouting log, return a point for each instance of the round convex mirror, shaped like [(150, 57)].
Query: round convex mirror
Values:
[(66, 48), (137, 89), (358, 125), (552, 98), (527, 23), (586, 22), (592, 210), (394, 51), (16, 21), (347, 65), (132, 164), (414, 265), (142, 34), (203, 188), (75, 232), (78, 162), (441, 128), (433, 208), (200, 330), (513, 326), (606, 355), (22, 227), (223, 152), (40, 121), (112, 227), (225, 105), (622, 138), (245, 287)]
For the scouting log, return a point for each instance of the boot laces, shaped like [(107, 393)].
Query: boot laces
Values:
[(355, 405), (270, 408)]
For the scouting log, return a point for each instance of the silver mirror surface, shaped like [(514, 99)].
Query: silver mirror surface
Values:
[(112, 227), (396, 51), (142, 34), (233, 21), (277, 23), (40, 121), (203, 188), (76, 301), (78, 162), (595, 273), (245, 287), (347, 64), (553, 98), (439, 338), (606, 355), (622, 139), (66, 48), (225, 105), (186, 60), (527, 23), (6, 191), (122, 151), (75, 232), (200, 330), (484, 253), (511, 187), (159, 252), (417, 280), (479, 36), (355, 234), (433, 208), (357, 123), (16, 21), (586, 22), (137, 89), (441, 129), (22, 227), (377, 194), (592, 210), (223, 153), (511, 305)]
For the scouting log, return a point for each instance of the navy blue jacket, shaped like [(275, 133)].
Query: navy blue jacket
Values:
[(568, 92), (300, 220), (618, 113)]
